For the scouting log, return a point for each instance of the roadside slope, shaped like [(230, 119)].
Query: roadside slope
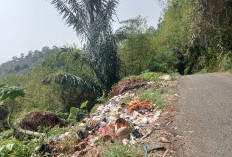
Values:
[(205, 119)]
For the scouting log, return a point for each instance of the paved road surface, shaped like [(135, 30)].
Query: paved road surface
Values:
[(205, 117)]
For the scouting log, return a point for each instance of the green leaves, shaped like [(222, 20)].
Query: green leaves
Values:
[(68, 80), (10, 92), (77, 113), (84, 105), (82, 15), (13, 147), (10, 147), (73, 113), (92, 19)]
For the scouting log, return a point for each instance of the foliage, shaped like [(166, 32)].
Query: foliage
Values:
[(76, 114), (54, 96), (62, 115), (6, 134), (119, 150), (38, 97), (10, 92), (4, 111), (10, 146), (13, 147), (138, 50), (151, 76), (84, 105), (227, 62), (102, 99), (197, 33), (68, 80), (92, 20), (75, 79), (69, 60)]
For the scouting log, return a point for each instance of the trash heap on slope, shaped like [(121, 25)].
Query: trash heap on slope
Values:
[(128, 123), (131, 122)]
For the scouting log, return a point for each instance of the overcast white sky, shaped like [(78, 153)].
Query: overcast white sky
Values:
[(32, 24)]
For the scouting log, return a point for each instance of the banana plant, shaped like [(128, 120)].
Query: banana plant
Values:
[(10, 92)]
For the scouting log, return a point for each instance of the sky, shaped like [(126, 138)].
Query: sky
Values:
[(32, 24)]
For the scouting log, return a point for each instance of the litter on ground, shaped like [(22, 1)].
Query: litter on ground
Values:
[(130, 123)]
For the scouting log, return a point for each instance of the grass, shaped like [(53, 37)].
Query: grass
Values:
[(151, 76), (158, 96), (119, 150)]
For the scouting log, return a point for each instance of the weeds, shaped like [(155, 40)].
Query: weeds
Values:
[(103, 98), (158, 96), (151, 76), (14, 147), (119, 150)]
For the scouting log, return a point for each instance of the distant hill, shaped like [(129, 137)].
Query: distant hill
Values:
[(24, 64)]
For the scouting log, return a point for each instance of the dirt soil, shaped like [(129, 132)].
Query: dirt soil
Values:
[(127, 85), (41, 119)]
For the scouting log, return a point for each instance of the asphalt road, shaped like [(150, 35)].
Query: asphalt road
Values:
[(205, 119)]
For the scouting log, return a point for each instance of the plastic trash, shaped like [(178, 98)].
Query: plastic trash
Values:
[(102, 124), (103, 130), (123, 133), (82, 134), (45, 149), (125, 141), (156, 116), (136, 133), (145, 120)]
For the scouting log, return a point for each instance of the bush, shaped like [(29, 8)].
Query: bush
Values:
[(13, 147), (227, 62)]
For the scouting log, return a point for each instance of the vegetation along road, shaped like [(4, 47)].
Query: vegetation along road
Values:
[(205, 119)]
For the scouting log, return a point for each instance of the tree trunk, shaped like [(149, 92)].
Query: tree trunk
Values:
[(9, 116)]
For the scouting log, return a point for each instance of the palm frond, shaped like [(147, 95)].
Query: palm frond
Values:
[(110, 9), (92, 18), (73, 13), (68, 80)]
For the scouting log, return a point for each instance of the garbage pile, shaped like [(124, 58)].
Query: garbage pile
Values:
[(129, 123)]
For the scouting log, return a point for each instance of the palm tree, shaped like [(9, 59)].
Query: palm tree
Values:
[(91, 19)]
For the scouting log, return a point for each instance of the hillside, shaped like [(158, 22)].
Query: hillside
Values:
[(25, 63)]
